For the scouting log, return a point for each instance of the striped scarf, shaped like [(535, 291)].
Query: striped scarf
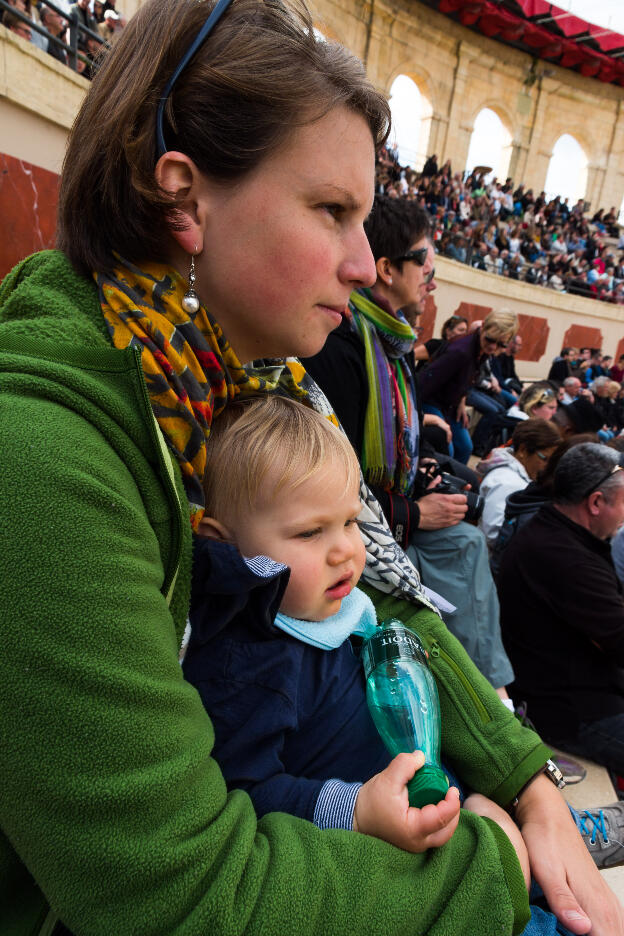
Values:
[(190, 368), (390, 445)]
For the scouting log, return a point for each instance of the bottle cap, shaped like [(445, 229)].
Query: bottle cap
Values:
[(392, 641), (428, 785)]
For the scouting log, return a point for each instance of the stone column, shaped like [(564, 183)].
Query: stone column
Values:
[(533, 173), (517, 161), (433, 130), (595, 179), (612, 185), (457, 136)]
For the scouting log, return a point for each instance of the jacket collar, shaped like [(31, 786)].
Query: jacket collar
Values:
[(587, 538), (228, 590)]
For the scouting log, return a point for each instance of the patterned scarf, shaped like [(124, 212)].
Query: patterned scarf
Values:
[(192, 372), (390, 446), (190, 368)]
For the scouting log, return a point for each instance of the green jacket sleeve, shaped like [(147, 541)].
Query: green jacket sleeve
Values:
[(111, 805)]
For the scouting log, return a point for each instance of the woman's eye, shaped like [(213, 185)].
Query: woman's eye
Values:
[(336, 211)]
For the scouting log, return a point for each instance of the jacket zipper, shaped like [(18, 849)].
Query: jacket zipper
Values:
[(434, 648), (169, 483)]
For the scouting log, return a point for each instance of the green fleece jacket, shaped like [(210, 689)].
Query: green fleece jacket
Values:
[(112, 811)]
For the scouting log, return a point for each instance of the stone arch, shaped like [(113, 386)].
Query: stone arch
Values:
[(555, 131), (423, 85), (505, 117), (567, 172), (501, 157)]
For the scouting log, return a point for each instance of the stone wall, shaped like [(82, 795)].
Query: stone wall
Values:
[(549, 320), (39, 99), (460, 72)]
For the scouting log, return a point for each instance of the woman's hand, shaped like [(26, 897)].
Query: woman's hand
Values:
[(430, 419), (462, 415), (382, 809), (438, 511), (576, 892)]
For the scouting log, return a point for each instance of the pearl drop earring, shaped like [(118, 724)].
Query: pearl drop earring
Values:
[(190, 300)]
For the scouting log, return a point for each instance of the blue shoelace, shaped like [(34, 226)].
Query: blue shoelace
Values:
[(599, 826)]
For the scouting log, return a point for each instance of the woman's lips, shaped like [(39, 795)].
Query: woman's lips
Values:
[(337, 313)]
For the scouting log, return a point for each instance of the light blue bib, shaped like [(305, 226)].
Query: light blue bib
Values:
[(356, 616)]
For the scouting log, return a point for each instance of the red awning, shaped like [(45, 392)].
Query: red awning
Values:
[(545, 30)]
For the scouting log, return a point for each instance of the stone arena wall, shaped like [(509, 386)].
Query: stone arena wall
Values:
[(458, 72), (549, 320)]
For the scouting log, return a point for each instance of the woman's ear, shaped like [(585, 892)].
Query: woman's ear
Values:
[(213, 529), (384, 271), (178, 175)]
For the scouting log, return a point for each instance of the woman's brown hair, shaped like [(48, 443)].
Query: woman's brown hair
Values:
[(261, 74), (535, 434)]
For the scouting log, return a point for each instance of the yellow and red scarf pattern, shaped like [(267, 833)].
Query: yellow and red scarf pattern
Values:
[(190, 369)]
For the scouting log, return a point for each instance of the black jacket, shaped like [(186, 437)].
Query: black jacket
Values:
[(448, 378), (287, 716), (562, 618), (340, 372), (520, 507), (559, 370)]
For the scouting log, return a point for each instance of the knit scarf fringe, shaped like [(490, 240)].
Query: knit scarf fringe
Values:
[(390, 445)]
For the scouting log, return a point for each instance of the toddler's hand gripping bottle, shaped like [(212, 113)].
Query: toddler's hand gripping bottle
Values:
[(403, 701)]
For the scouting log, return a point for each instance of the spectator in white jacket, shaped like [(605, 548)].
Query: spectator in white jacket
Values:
[(510, 468)]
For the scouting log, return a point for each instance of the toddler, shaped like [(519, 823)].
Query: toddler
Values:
[(270, 651)]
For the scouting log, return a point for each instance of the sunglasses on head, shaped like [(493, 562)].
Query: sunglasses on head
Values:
[(602, 480), (418, 256), (547, 397), (495, 341)]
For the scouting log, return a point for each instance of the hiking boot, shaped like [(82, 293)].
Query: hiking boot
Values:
[(602, 830)]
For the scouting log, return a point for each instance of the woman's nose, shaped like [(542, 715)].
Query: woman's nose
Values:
[(358, 266)]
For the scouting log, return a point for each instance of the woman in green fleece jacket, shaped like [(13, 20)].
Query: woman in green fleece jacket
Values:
[(253, 154)]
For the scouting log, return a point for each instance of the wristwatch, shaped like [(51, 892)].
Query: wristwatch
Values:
[(554, 774)]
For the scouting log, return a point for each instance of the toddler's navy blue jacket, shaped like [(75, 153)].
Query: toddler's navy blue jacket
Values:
[(287, 716)]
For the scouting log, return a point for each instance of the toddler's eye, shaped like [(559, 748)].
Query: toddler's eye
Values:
[(308, 534)]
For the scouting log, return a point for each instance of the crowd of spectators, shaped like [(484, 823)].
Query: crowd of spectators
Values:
[(101, 25), (506, 229), (584, 388)]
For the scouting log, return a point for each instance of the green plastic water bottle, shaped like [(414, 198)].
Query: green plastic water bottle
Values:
[(403, 701)]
